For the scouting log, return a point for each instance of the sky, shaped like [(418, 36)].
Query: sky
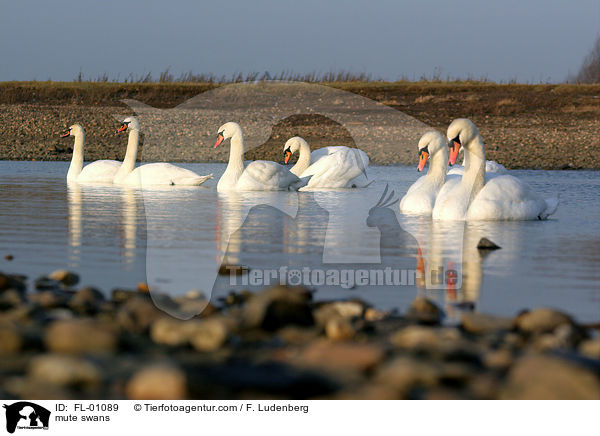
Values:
[(504, 40)]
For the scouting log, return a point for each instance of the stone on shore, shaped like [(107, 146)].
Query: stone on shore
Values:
[(544, 377), (278, 307), (67, 278), (478, 323), (157, 382), (425, 311), (81, 336), (541, 320), (64, 370)]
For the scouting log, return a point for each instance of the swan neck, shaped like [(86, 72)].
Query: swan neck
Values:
[(77, 159), (130, 156), (303, 159), (236, 153), (438, 168), (474, 174)]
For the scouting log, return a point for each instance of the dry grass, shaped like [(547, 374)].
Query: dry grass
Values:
[(424, 98)]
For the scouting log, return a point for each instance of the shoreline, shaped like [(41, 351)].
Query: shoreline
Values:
[(524, 126), (64, 342)]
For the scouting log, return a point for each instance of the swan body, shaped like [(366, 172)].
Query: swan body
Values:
[(100, 171), (154, 173), (328, 167), (491, 166), (486, 197), (259, 175), (420, 197)]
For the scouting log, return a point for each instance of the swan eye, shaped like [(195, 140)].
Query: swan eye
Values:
[(424, 150)]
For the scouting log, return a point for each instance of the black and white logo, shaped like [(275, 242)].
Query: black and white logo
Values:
[(24, 415)]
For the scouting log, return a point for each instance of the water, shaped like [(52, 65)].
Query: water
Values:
[(176, 239)]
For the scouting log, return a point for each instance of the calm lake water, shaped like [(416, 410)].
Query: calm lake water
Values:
[(335, 241)]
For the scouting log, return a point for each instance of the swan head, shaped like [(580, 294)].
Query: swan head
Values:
[(431, 142), (292, 146), (226, 131), (129, 123), (73, 130), (460, 132)]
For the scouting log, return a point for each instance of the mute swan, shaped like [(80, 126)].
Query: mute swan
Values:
[(153, 173), (101, 171), (259, 175), (420, 197), (332, 167), (491, 166), (495, 197)]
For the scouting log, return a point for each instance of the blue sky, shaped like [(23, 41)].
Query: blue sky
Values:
[(531, 41)]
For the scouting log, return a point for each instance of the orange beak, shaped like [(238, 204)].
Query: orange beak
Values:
[(219, 140), (422, 160), (454, 149), (286, 156), (66, 134), (122, 128)]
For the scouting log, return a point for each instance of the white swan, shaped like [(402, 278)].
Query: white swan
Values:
[(331, 167), (100, 171), (491, 166), (420, 197), (495, 197), (154, 173), (259, 175)]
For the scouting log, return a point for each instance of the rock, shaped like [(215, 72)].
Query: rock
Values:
[(478, 323), (486, 244), (8, 257), (339, 329), (172, 332), (232, 270), (340, 356), (65, 277), (210, 334), (372, 314), (416, 338), (137, 315), (81, 336), (11, 298), (542, 377), (49, 299), (157, 382), (406, 373), (565, 336), (338, 309), (499, 360), (87, 300), (64, 370), (425, 311), (12, 281), (11, 340), (278, 307), (541, 320), (46, 284), (590, 348)]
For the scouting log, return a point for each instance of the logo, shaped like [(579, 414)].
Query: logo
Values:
[(26, 415)]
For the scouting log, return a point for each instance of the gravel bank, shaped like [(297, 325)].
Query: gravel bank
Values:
[(60, 342), (524, 126)]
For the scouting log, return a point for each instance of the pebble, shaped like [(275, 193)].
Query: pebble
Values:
[(65, 277), (339, 356), (81, 336), (137, 315), (8, 257), (407, 373), (486, 244), (11, 340), (87, 300), (590, 348), (172, 332), (425, 311), (339, 329), (143, 287), (478, 323), (543, 377), (210, 335), (416, 338), (541, 320), (63, 370), (278, 307), (157, 382)]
